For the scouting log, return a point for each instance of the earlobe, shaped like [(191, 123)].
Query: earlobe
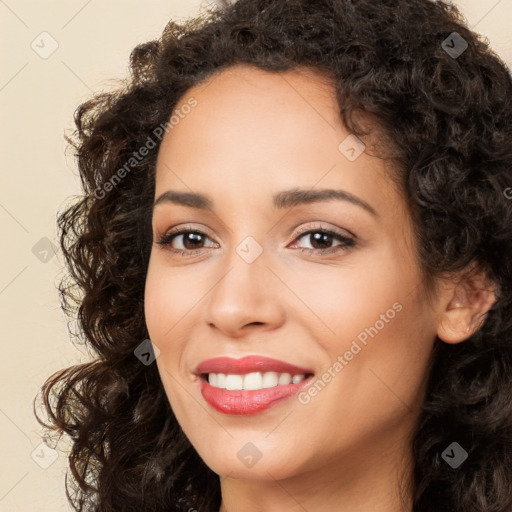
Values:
[(464, 305)]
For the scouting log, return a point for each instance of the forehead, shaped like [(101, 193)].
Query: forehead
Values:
[(259, 130), (242, 97), (246, 107), (246, 79)]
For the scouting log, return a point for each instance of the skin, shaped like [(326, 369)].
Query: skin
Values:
[(252, 135)]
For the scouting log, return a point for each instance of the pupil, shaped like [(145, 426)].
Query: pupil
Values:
[(190, 237), (322, 238)]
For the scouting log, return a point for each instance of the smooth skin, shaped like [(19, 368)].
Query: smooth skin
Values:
[(252, 135)]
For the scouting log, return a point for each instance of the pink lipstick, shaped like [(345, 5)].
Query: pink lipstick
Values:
[(249, 385)]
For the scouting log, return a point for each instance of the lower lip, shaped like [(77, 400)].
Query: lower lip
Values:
[(244, 402)]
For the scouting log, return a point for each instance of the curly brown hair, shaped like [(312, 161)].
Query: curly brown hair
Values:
[(448, 119)]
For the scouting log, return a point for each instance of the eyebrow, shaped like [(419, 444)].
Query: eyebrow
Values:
[(281, 200)]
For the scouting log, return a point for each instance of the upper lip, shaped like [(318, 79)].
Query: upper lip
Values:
[(248, 364)]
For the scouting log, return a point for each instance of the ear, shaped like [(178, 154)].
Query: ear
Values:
[(464, 301)]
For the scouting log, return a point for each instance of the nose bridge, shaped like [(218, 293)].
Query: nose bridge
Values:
[(247, 237), (245, 292), (246, 267)]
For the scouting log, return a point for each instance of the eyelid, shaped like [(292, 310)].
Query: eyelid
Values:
[(307, 229), (183, 227)]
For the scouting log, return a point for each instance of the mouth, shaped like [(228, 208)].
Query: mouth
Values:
[(249, 385)]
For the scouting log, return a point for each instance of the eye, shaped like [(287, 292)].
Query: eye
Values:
[(322, 239), (190, 239)]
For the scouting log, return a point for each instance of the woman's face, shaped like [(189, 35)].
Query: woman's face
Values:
[(281, 270)]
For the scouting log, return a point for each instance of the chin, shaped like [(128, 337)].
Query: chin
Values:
[(244, 460)]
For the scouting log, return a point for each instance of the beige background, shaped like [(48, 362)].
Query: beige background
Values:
[(37, 100)]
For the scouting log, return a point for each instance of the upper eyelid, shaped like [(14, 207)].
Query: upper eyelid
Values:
[(318, 227)]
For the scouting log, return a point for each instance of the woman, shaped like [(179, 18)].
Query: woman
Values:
[(299, 209)]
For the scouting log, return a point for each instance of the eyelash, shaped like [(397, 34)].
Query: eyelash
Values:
[(347, 243)]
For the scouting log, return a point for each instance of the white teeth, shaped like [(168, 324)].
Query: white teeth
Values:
[(284, 378), (252, 381), (270, 379), (234, 382), (221, 380)]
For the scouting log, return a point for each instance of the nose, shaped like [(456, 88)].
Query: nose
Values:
[(246, 297)]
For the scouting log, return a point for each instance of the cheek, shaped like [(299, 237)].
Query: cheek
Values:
[(154, 301), (347, 299), (168, 297), (374, 316), (165, 303), (162, 303), (375, 366)]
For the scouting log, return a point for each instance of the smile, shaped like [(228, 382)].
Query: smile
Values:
[(249, 385)]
